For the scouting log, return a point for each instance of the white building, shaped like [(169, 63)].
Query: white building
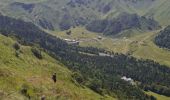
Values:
[(130, 80)]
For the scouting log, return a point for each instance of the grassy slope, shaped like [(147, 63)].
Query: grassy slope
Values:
[(148, 50), (161, 12), (159, 97), (28, 71)]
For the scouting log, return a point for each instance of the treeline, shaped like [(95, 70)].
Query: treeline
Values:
[(157, 89), (163, 39), (123, 22), (100, 73)]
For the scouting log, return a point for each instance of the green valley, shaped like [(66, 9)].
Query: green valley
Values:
[(133, 42), (84, 50)]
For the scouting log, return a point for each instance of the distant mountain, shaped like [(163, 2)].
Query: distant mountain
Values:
[(123, 22), (63, 14)]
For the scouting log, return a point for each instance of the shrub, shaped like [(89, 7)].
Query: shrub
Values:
[(37, 53), (25, 90), (78, 77), (16, 46)]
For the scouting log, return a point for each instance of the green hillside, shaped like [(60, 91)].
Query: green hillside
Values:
[(122, 23), (99, 49), (34, 75), (158, 97)]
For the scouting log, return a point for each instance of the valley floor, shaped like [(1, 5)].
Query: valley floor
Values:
[(137, 44)]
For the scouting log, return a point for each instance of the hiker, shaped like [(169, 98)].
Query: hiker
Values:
[(54, 77), (43, 97)]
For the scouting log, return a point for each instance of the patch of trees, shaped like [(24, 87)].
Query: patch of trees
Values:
[(17, 47), (138, 1), (27, 7), (68, 32), (157, 89), (100, 73), (37, 53), (64, 25), (163, 39), (66, 22), (106, 8), (78, 77), (123, 22), (25, 91), (45, 24), (74, 3)]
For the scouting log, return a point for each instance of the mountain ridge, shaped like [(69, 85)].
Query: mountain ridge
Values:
[(49, 14)]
